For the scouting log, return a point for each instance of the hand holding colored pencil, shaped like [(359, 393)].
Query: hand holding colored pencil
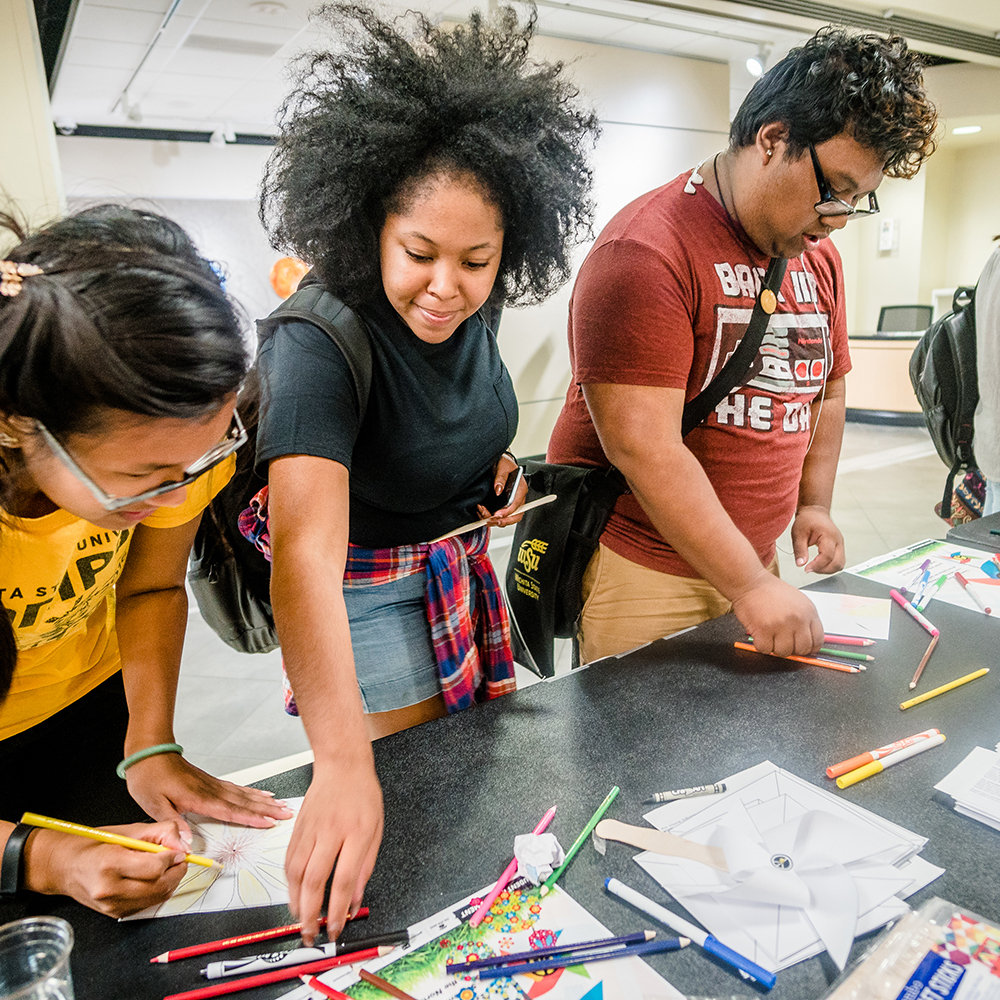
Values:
[(105, 837)]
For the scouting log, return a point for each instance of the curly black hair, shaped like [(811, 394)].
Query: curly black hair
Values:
[(867, 85), (400, 102)]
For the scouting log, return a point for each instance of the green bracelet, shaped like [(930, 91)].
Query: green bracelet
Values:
[(148, 752)]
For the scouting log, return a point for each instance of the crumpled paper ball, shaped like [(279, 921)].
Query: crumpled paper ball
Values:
[(538, 855)]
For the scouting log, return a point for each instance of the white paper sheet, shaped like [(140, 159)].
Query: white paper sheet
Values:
[(808, 870), (252, 874), (849, 614), (975, 786)]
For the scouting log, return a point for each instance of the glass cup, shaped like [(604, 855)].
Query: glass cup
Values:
[(34, 959)]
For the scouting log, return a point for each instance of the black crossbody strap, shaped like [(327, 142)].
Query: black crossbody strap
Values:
[(735, 369)]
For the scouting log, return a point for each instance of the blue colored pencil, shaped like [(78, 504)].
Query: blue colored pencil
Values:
[(523, 956), (578, 958)]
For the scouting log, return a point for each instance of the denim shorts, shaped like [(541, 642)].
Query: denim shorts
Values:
[(391, 637)]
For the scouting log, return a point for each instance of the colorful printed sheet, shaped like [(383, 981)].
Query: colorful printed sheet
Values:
[(903, 568), (520, 920)]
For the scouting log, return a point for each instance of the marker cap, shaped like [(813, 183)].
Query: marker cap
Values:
[(875, 767)]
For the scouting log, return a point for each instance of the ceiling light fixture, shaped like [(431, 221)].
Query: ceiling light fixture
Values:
[(967, 129), (757, 62)]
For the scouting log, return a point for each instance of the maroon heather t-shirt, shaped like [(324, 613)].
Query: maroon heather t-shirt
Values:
[(662, 299)]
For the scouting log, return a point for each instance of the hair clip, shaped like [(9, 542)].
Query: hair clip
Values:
[(11, 275)]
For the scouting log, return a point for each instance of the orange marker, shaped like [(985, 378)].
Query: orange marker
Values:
[(843, 667), (866, 758)]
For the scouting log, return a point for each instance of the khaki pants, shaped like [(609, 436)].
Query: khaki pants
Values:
[(626, 605)]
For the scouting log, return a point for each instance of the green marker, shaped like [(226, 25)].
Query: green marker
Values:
[(931, 591), (578, 843)]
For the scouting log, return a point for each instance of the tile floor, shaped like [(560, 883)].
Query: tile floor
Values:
[(229, 705)]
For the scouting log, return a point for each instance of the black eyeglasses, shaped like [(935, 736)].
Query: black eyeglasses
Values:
[(829, 205), (235, 437)]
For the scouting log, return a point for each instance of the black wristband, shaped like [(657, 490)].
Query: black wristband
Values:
[(12, 865)]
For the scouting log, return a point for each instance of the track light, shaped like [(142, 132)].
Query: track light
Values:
[(757, 62)]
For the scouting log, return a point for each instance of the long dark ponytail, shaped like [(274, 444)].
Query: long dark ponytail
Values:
[(126, 315)]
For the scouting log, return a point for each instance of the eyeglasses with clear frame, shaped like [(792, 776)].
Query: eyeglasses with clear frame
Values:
[(829, 205), (235, 437)]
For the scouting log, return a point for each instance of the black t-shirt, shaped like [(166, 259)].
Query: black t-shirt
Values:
[(438, 418)]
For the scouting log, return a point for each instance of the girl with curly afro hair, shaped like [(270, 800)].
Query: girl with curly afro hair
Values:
[(429, 175)]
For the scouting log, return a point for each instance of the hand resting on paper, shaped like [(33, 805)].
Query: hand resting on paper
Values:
[(813, 526), (500, 518), (113, 880), (780, 618), (339, 824), (167, 786)]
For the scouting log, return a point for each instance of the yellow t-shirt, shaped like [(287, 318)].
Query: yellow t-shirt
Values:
[(57, 585)]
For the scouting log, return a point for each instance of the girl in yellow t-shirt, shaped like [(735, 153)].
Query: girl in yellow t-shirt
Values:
[(120, 358)]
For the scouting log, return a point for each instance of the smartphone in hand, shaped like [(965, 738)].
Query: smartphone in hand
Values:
[(510, 489)]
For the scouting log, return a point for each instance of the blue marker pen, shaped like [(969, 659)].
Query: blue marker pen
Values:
[(743, 965)]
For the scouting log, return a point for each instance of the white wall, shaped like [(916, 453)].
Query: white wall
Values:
[(29, 168)]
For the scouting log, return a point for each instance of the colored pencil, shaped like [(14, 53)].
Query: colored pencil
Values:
[(846, 654), (241, 939), (843, 667), (877, 766), (848, 640), (508, 873), (279, 975), (975, 675), (966, 586), (912, 611), (836, 770), (578, 843), (517, 957), (923, 661), (328, 991), (386, 987), (77, 829), (650, 947)]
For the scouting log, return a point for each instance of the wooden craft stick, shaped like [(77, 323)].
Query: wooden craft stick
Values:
[(661, 842), (540, 502)]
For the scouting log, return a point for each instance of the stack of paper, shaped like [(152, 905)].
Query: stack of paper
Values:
[(975, 786), (807, 870)]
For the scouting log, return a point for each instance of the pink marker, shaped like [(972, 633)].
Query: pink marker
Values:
[(912, 612), (508, 874)]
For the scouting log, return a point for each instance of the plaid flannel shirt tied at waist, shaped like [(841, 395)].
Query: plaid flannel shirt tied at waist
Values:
[(471, 644)]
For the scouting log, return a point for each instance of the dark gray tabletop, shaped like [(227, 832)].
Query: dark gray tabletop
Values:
[(679, 712)]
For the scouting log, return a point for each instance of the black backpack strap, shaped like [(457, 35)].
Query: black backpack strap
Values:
[(735, 369), (312, 303)]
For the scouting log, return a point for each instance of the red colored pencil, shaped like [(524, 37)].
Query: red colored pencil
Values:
[(328, 991), (235, 942), (222, 987), (848, 640)]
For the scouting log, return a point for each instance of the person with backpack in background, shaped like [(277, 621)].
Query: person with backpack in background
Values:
[(429, 175), (987, 421), (120, 359)]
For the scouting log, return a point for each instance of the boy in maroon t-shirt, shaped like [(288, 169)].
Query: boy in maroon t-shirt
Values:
[(663, 299)]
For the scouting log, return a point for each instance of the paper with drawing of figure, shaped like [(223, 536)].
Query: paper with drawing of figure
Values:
[(808, 871), (520, 920), (850, 614), (252, 873)]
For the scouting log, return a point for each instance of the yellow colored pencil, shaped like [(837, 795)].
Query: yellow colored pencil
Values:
[(945, 687), (61, 826)]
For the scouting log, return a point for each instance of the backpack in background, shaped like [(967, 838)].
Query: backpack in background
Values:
[(229, 577), (945, 379)]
